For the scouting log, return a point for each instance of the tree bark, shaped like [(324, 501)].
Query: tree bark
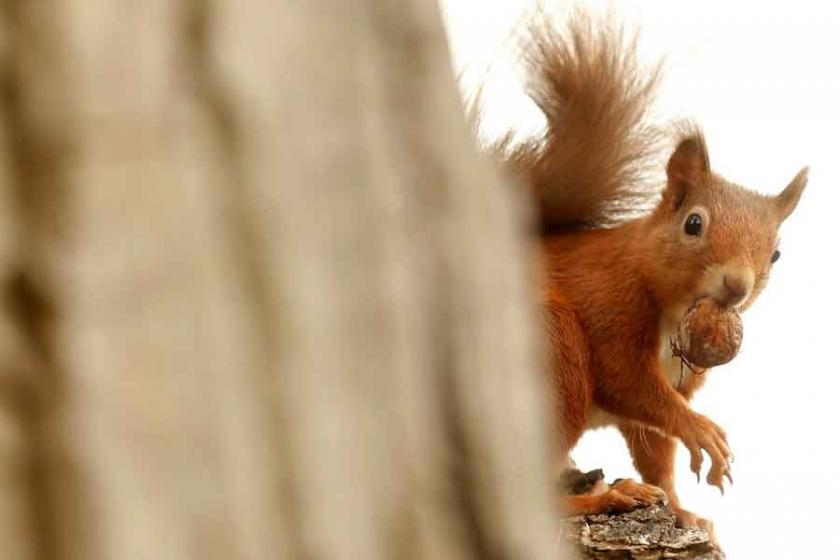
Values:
[(643, 534), (263, 298)]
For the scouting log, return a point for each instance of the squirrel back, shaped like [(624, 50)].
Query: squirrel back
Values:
[(592, 165)]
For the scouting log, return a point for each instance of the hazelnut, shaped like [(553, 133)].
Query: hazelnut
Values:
[(709, 335)]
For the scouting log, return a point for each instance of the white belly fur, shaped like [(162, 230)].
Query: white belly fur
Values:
[(670, 365)]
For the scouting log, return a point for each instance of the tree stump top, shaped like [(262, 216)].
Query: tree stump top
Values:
[(644, 534)]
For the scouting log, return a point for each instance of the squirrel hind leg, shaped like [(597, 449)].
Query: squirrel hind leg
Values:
[(570, 366), (622, 496)]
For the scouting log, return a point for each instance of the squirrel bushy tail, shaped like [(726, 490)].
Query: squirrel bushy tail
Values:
[(589, 168)]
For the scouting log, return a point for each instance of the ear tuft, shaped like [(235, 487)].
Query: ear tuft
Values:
[(687, 166), (787, 200), (690, 161)]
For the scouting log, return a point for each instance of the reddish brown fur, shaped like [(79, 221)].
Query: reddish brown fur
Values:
[(622, 496), (611, 293), (595, 99), (653, 456)]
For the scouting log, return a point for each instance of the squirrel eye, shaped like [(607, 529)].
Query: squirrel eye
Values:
[(776, 255), (693, 225)]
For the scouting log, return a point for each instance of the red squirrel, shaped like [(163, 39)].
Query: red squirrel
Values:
[(618, 277)]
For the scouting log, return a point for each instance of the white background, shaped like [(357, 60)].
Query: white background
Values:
[(763, 79)]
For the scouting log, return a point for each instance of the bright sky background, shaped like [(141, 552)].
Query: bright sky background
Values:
[(763, 79)]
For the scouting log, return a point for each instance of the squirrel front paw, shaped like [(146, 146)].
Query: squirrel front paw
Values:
[(699, 434)]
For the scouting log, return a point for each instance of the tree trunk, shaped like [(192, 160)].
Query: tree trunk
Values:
[(263, 300)]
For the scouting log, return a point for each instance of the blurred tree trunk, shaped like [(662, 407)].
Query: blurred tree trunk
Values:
[(262, 299)]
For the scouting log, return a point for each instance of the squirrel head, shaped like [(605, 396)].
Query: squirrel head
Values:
[(711, 237)]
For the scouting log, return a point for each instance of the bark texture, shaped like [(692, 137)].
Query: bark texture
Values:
[(644, 534), (262, 299)]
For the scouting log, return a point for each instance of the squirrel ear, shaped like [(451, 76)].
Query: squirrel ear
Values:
[(687, 166), (690, 161), (787, 200)]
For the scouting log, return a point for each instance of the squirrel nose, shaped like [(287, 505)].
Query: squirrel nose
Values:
[(736, 288)]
